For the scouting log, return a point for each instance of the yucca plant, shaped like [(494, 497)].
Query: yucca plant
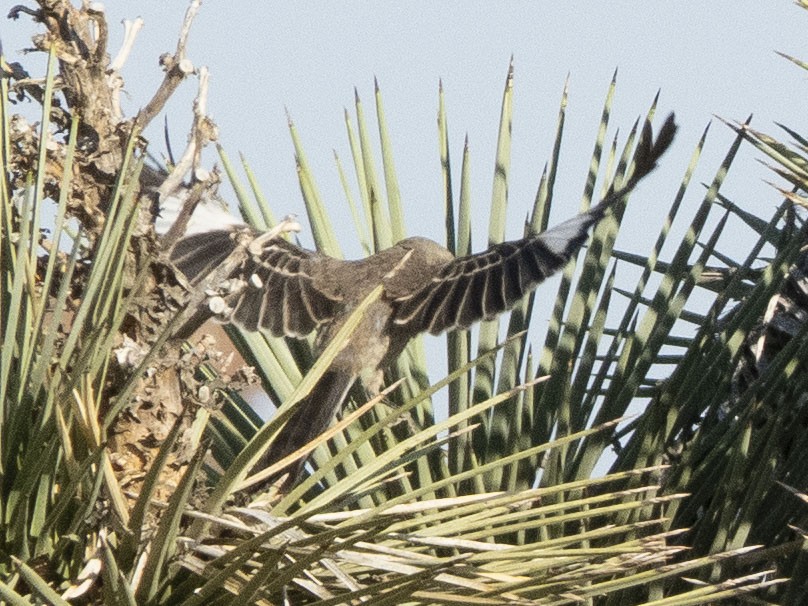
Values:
[(127, 458)]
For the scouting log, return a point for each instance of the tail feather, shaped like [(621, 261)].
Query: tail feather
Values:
[(311, 417)]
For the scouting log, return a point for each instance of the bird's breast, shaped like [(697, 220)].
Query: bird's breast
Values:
[(368, 346)]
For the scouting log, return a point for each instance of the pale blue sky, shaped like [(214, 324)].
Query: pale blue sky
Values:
[(707, 58)]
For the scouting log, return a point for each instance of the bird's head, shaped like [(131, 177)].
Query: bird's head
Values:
[(425, 252), (417, 261)]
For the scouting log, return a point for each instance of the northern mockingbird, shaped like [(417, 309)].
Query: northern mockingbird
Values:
[(285, 290)]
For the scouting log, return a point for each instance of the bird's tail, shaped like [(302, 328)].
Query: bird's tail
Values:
[(646, 155), (311, 417)]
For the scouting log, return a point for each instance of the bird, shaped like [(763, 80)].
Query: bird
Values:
[(282, 289)]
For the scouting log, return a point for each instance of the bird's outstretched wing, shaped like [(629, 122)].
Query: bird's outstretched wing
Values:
[(275, 288), (480, 286), (199, 254)]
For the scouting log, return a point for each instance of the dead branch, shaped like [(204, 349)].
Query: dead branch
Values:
[(177, 68), (90, 85)]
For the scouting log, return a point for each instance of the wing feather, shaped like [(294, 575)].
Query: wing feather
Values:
[(489, 283), (482, 285), (282, 293), (197, 255)]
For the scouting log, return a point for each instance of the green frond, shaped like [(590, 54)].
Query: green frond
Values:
[(651, 450)]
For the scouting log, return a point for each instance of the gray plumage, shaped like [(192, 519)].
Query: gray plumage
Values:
[(285, 290)]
